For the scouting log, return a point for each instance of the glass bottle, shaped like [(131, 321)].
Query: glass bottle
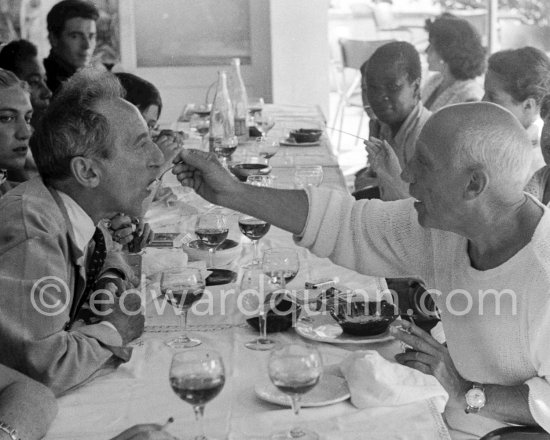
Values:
[(222, 124), (239, 98)]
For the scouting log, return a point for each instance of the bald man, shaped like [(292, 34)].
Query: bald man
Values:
[(479, 242)]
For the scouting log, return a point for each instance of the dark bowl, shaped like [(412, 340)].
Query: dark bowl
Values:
[(363, 318), (281, 319), (303, 135), (243, 170)]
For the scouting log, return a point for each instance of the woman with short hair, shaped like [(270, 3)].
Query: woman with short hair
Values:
[(457, 57)]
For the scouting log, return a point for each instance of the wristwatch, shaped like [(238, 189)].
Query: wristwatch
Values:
[(475, 398)]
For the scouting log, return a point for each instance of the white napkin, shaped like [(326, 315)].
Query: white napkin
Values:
[(374, 381), (155, 260)]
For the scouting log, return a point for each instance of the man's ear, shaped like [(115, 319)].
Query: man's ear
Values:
[(478, 181), (531, 108), (52, 39), (85, 171)]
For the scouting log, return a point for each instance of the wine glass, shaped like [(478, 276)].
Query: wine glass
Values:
[(253, 286), (254, 229), (212, 230), (260, 180), (281, 265), (197, 376), (267, 148), (225, 148), (309, 175), (200, 123), (264, 122), (295, 370), (183, 286)]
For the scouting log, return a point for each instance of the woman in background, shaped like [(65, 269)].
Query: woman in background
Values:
[(457, 57)]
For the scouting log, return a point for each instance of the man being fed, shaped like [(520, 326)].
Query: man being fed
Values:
[(472, 234)]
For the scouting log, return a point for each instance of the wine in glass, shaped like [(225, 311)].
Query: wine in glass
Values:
[(254, 285), (197, 376), (295, 369), (224, 149), (200, 123), (212, 230), (267, 148), (182, 286), (281, 265), (254, 229)]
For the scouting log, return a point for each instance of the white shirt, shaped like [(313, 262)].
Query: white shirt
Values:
[(83, 230)]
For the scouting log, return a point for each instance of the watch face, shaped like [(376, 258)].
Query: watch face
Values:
[(475, 398)]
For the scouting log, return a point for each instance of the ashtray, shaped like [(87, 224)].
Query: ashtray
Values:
[(285, 314)]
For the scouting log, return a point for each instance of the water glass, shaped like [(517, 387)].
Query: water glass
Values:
[(260, 180), (281, 265), (197, 377), (212, 230), (308, 175)]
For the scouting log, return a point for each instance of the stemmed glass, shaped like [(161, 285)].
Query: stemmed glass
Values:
[(267, 148), (197, 376), (295, 370), (225, 148), (212, 230), (183, 287), (254, 229), (309, 175), (281, 265), (264, 122), (253, 285), (200, 123)]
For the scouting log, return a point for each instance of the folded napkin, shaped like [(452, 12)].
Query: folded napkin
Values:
[(374, 381)]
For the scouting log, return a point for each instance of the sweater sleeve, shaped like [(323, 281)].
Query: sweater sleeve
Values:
[(369, 236)]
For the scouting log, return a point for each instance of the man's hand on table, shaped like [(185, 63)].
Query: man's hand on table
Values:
[(430, 357), (123, 310), (144, 432), (203, 172)]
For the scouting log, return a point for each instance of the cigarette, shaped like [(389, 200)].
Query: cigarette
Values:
[(170, 420)]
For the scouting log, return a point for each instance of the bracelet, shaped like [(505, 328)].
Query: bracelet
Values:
[(9, 430)]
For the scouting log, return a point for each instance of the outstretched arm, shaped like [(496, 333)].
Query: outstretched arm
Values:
[(286, 209)]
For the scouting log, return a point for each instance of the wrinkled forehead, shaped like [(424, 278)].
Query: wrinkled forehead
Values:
[(386, 70), (124, 118)]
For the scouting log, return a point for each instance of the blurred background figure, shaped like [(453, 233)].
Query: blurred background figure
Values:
[(72, 35), (539, 185), (21, 58), (457, 57), (517, 80)]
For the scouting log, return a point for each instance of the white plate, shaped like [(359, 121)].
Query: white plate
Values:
[(289, 142), (323, 328), (330, 389)]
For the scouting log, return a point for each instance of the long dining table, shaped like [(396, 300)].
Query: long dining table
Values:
[(139, 391)]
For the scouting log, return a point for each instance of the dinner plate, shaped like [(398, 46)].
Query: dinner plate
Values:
[(290, 142), (330, 390), (323, 328)]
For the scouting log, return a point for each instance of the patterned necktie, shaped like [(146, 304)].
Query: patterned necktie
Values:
[(94, 266)]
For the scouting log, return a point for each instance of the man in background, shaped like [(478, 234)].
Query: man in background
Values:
[(72, 35)]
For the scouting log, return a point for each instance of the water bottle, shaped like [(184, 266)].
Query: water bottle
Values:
[(222, 124), (239, 98)]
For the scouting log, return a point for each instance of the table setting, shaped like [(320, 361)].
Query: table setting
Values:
[(232, 366)]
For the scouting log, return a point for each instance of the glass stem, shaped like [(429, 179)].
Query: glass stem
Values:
[(199, 417), (263, 326), (296, 431), (255, 259), (211, 257), (183, 323)]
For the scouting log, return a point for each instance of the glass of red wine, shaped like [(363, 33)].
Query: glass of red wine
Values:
[(267, 148), (254, 229), (281, 265), (225, 149), (295, 369), (182, 286), (212, 230), (197, 376)]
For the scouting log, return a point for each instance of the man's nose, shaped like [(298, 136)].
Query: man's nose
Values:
[(24, 130), (157, 158), (86, 42), (45, 92)]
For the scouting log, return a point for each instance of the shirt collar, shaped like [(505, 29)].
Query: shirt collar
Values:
[(83, 225), (3, 176)]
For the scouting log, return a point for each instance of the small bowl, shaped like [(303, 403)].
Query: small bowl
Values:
[(304, 135), (279, 320), (363, 318), (226, 253), (243, 170)]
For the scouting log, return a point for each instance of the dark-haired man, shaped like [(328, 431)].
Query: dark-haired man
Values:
[(72, 35), (391, 87), (21, 58)]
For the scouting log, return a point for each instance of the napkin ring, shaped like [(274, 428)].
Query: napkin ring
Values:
[(4, 427)]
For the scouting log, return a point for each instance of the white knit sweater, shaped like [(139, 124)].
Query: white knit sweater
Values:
[(506, 347)]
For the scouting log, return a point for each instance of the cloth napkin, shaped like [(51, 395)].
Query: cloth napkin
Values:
[(374, 381)]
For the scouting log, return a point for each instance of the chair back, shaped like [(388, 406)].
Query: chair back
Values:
[(356, 52), (517, 433)]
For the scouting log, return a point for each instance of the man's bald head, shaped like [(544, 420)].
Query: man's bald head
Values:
[(483, 135)]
